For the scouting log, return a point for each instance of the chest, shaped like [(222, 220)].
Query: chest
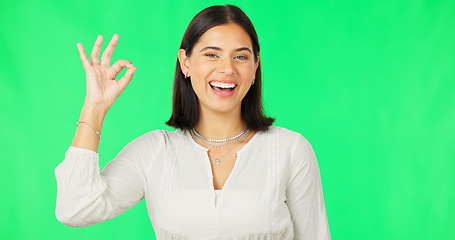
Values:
[(247, 202), (251, 199), (222, 163)]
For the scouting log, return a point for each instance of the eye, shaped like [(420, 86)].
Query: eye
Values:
[(242, 57), (210, 55)]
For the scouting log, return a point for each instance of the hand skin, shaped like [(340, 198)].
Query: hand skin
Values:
[(101, 90)]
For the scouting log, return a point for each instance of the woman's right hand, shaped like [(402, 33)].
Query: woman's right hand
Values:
[(101, 87)]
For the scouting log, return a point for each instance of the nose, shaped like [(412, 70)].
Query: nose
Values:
[(226, 67)]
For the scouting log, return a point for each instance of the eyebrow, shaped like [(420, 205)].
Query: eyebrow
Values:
[(219, 49)]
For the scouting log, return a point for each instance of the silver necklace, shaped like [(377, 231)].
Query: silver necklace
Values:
[(205, 143), (217, 160), (208, 144), (219, 140)]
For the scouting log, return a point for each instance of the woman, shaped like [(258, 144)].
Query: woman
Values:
[(226, 172)]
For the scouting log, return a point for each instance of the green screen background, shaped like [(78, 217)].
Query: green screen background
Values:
[(369, 83)]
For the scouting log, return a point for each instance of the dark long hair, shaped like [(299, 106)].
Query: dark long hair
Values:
[(185, 106)]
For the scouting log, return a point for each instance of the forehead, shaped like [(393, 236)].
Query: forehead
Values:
[(225, 36)]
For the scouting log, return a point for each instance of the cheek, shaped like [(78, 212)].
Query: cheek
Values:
[(249, 71), (199, 87), (252, 73), (201, 68)]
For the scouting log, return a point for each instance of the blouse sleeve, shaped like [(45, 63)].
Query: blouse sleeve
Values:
[(304, 195), (86, 196)]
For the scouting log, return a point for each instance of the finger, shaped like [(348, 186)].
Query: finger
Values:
[(106, 57), (96, 50), (84, 59), (126, 78), (120, 65)]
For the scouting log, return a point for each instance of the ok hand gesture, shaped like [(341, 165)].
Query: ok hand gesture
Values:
[(101, 87)]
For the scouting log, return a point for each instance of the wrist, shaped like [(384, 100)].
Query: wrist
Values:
[(94, 115), (95, 109)]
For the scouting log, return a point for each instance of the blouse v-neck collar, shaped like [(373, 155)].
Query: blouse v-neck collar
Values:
[(246, 146)]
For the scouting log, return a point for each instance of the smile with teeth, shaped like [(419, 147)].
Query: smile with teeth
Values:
[(222, 86)]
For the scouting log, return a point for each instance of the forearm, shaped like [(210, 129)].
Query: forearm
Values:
[(86, 136)]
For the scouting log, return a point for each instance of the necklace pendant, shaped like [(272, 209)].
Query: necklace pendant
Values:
[(216, 162)]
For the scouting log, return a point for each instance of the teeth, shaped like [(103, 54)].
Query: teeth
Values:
[(222, 85)]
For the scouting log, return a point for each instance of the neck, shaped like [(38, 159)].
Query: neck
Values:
[(216, 125)]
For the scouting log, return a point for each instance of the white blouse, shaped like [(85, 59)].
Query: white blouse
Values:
[(273, 192)]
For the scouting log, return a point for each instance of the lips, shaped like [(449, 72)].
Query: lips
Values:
[(223, 88)]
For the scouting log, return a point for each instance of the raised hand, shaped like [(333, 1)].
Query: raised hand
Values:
[(101, 87)]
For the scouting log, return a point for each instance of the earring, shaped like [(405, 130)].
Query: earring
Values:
[(185, 75), (252, 82)]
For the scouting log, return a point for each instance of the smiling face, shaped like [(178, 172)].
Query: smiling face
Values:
[(221, 67)]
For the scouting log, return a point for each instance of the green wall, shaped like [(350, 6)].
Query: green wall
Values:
[(371, 85)]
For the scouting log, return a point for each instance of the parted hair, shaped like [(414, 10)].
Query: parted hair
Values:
[(185, 105)]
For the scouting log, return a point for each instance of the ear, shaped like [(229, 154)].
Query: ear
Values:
[(184, 62), (256, 65)]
